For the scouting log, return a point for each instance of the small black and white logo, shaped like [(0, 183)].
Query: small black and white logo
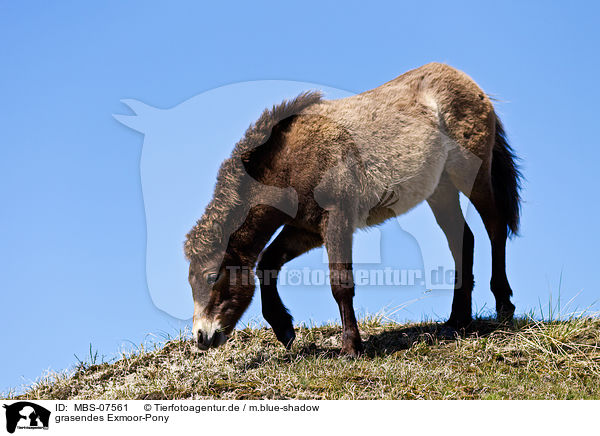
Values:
[(26, 415)]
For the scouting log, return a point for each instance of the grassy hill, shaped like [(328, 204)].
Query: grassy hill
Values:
[(525, 360)]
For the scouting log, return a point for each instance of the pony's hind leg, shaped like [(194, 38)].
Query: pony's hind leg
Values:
[(445, 205), (289, 244), (496, 226)]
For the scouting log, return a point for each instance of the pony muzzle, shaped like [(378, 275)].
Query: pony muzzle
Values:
[(205, 341), (208, 333)]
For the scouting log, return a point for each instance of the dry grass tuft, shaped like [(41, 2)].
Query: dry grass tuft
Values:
[(527, 359)]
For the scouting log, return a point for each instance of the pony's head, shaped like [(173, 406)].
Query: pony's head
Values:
[(221, 295)]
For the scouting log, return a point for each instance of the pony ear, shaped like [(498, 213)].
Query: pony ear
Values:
[(142, 111)]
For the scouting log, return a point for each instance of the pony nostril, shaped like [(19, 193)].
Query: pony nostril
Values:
[(204, 341)]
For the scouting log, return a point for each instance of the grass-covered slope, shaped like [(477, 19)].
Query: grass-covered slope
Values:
[(526, 360)]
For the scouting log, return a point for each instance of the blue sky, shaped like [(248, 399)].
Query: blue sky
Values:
[(73, 238)]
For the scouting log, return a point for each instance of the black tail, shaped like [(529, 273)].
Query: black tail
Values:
[(506, 180)]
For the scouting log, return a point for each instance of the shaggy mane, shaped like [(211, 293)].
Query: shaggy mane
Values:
[(259, 132), (212, 229)]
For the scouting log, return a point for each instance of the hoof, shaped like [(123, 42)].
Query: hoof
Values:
[(458, 322), (350, 354), (352, 351), (505, 313), (448, 332), (286, 337), (504, 317)]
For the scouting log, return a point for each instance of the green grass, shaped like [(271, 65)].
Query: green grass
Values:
[(527, 359)]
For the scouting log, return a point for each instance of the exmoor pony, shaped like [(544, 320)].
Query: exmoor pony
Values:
[(320, 169)]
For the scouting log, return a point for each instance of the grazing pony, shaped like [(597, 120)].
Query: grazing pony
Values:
[(323, 168)]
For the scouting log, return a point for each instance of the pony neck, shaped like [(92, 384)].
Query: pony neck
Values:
[(246, 243)]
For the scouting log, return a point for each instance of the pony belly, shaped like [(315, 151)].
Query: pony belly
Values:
[(403, 196), (412, 193)]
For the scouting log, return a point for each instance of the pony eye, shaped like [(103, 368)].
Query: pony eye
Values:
[(212, 278)]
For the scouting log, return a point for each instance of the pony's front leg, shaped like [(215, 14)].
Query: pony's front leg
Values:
[(338, 242), (342, 287), (289, 244)]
